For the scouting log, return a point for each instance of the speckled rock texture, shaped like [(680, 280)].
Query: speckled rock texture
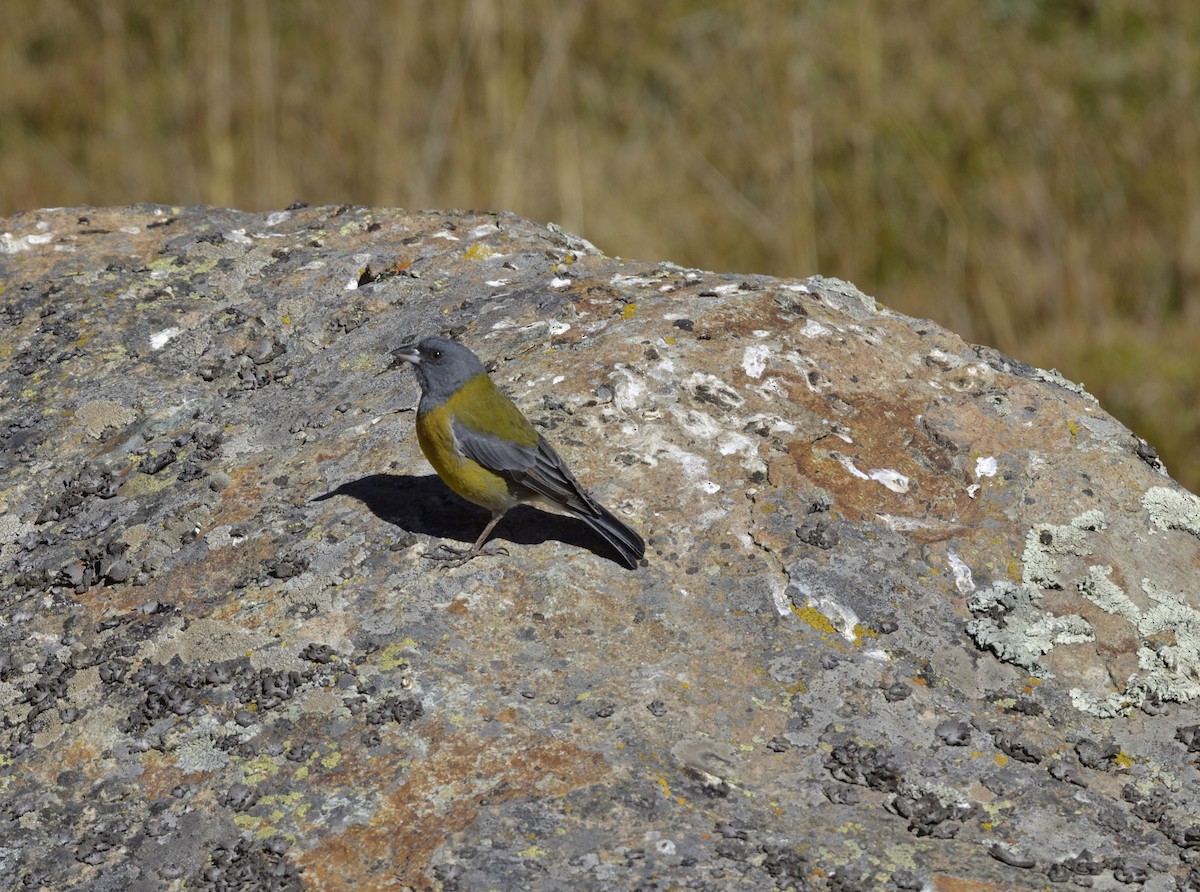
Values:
[(913, 615)]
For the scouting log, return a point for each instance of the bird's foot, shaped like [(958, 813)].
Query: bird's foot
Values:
[(456, 558), (449, 557)]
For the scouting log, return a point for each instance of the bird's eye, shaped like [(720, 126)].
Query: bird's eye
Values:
[(435, 354)]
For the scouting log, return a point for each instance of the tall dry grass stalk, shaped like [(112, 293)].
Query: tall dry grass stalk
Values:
[(1026, 173)]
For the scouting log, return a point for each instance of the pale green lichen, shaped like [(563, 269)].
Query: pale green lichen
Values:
[(1173, 509), (1107, 595), (199, 752), (1010, 622), (1054, 376), (1046, 540), (1018, 632), (1169, 670), (1105, 708)]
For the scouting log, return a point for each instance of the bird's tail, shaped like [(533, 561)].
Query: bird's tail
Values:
[(625, 542)]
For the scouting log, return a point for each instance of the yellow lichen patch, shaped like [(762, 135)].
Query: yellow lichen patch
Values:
[(665, 786), (862, 632), (903, 855), (628, 310), (287, 800), (393, 656), (332, 760), (1014, 569), (260, 768), (143, 484), (478, 251), (814, 618)]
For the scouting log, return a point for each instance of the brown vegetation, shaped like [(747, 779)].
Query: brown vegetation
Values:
[(1027, 172)]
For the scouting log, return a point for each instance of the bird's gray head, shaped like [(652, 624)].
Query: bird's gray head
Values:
[(442, 367)]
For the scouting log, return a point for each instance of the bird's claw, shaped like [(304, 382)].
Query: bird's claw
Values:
[(456, 558), (451, 558)]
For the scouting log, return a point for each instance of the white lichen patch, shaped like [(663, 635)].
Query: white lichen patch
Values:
[(695, 423), (198, 751), (693, 466), (1107, 595), (1009, 620), (841, 617), (904, 524), (1044, 541), (813, 329), (773, 424), (733, 443), (1102, 707), (963, 580), (1173, 509), (848, 463), (893, 480), (783, 604), (986, 466), (159, 339), (627, 388), (1010, 623), (621, 281), (11, 245), (1054, 376), (1169, 660), (729, 288), (754, 360)]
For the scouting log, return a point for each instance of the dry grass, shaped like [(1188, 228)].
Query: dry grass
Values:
[(1025, 171)]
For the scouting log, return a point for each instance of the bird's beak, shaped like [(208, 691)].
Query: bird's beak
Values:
[(408, 353)]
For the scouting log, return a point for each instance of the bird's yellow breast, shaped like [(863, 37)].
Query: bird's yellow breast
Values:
[(468, 478)]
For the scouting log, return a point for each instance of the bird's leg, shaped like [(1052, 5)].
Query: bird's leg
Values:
[(458, 558)]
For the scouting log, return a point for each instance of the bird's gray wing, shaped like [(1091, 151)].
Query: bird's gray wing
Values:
[(537, 468)]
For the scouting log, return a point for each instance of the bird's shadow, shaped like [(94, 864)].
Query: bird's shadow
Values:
[(426, 505)]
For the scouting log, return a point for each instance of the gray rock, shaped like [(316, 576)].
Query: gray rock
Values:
[(913, 614)]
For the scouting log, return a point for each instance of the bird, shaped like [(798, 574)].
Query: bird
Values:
[(485, 449)]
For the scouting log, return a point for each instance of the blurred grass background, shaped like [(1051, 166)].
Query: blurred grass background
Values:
[(1026, 172)]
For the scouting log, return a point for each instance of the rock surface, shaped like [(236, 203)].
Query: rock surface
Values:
[(913, 614)]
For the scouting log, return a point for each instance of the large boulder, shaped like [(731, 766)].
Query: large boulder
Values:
[(912, 615)]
